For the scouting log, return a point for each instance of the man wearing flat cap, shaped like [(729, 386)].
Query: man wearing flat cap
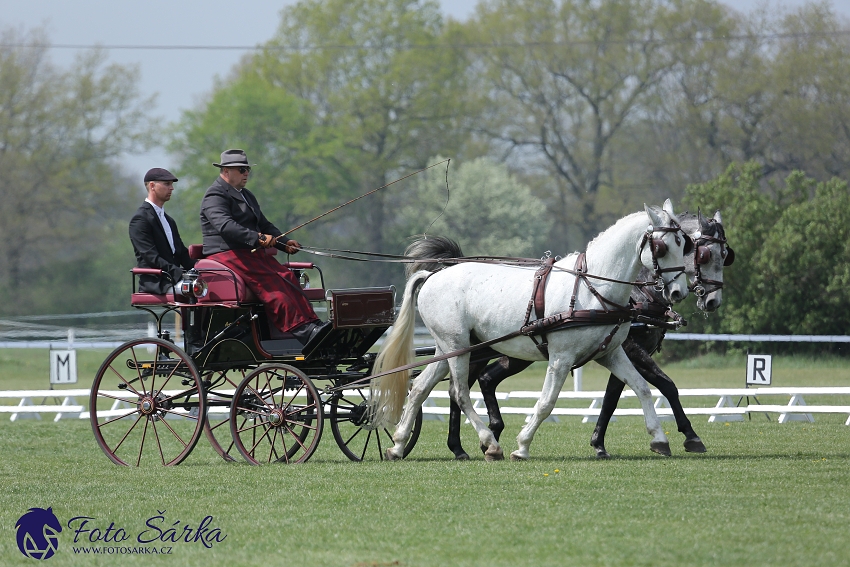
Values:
[(233, 226), (155, 238)]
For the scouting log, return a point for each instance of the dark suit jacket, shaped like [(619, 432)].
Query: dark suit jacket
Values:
[(152, 250), (229, 222)]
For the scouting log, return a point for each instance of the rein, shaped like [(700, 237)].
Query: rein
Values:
[(509, 261), (571, 318)]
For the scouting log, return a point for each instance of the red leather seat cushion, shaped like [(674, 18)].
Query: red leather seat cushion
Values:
[(151, 299), (223, 284)]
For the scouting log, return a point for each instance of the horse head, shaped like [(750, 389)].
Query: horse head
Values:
[(711, 253), (664, 255)]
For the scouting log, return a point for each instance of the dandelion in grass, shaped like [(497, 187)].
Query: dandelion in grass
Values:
[(545, 474)]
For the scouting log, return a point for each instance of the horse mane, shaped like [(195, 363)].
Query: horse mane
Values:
[(426, 246), (624, 219)]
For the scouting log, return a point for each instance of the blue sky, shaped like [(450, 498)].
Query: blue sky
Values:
[(182, 78)]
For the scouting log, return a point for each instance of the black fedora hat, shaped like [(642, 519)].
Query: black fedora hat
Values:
[(234, 158)]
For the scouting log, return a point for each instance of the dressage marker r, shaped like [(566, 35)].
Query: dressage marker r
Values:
[(758, 369)]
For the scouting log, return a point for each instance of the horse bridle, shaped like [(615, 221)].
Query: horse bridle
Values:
[(702, 256), (658, 248)]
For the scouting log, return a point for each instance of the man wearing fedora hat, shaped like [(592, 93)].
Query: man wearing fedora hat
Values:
[(233, 226), (156, 240)]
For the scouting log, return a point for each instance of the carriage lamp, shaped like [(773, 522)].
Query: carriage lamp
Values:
[(192, 285), (304, 280)]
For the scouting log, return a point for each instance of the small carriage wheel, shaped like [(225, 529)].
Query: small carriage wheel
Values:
[(276, 416), (221, 385), (147, 405), (358, 439)]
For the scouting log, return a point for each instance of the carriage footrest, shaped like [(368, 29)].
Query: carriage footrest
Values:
[(282, 347)]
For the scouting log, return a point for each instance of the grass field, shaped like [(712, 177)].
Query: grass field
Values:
[(765, 494)]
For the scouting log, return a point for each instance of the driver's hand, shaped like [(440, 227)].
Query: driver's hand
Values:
[(265, 240), (292, 246)]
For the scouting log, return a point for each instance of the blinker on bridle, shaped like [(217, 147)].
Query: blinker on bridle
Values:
[(658, 248), (702, 256)]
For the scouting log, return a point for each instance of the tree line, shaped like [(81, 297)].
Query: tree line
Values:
[(560, 116)]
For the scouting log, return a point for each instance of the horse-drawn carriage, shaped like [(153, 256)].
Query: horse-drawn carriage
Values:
[(249, 388)]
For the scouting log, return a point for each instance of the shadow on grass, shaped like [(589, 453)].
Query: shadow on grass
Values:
[(644, 458)]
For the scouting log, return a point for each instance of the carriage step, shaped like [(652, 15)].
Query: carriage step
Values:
[(282, 347)]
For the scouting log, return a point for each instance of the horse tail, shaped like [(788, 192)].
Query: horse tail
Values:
[(430, 247), (387, 393)]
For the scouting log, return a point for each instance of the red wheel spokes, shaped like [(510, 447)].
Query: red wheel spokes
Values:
[(125, 381), (128, 433)]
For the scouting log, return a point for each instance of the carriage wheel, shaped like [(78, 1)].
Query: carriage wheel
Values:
[(358, 439), (147, 405), (276, 416), (217, 423)]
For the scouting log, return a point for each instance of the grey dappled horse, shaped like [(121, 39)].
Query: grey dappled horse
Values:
[(704, 267), (489, 301)]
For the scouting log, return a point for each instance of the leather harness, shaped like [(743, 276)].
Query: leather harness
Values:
[(615, 315)]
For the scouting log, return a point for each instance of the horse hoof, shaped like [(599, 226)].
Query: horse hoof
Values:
[(494, 454), (601, 453), (392, 456), (517, 457), (660, 448), (695, 445), (462, 457)]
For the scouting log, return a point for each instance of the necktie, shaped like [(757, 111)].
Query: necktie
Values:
[(167, 228)]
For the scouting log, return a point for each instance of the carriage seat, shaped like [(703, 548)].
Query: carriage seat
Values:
[(221, 285), (139, 298), (151, 299)]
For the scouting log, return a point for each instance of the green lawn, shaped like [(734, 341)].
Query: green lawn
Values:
[(765, 494)]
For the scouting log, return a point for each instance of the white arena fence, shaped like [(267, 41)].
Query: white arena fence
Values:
[(731, 404)]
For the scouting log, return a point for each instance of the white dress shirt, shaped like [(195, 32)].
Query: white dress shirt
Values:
[(160, 212)]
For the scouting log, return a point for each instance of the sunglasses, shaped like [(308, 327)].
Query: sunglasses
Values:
[(244, 169)]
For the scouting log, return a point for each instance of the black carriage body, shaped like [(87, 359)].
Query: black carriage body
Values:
[(239, 335), (238, 380)]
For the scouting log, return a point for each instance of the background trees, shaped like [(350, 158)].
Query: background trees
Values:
[(559, 115), (483, 207), (61, 194)]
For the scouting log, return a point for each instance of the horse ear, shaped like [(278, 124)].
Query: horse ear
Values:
[(654, 218), (703, 222), (717, 217), (668, 208)]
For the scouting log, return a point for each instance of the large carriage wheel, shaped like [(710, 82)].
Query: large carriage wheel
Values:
[(356, 436), (276, 416), (219, 399), (147, 405)]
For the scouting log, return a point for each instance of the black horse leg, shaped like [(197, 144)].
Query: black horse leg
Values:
[(609, 404), (493, 376), (655, 376), (693, 444), (453, 440)]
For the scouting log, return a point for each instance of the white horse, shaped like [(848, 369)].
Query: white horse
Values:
[(489, 301)]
